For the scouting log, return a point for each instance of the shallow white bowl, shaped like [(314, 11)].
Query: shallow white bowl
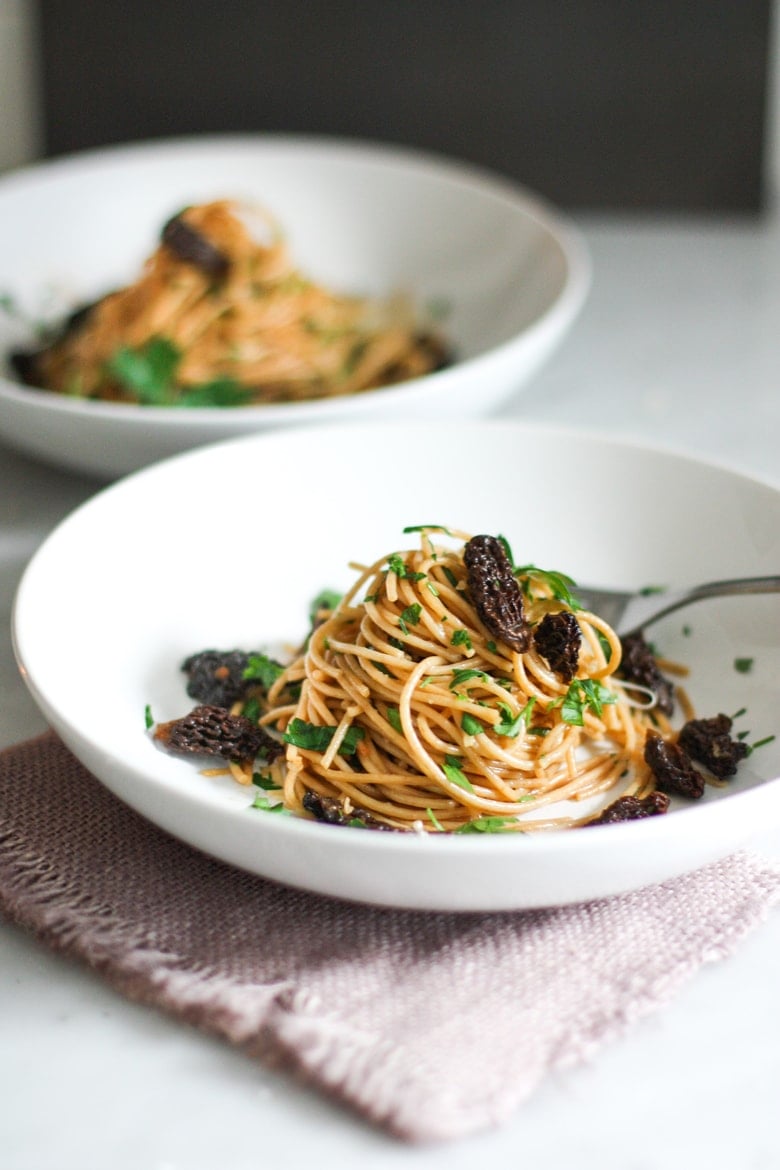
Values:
[(225, 547), (361, 218)]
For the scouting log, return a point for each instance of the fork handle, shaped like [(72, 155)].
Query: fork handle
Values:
[(734, 587)]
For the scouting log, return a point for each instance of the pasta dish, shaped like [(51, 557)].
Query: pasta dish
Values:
[(451, 690), (220, 316)]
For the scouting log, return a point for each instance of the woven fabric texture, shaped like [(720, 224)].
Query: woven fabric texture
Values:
[(430, 1025)]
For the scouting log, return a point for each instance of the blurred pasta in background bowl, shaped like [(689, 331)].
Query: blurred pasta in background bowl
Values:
[(159, 296)]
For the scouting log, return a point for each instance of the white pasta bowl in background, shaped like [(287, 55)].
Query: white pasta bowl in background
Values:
[(505, 273), (162, 565)]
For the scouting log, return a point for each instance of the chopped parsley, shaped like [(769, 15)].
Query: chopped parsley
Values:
[(455, 774), (762, 742), (488, 825), (559, 584), (397, 565), (471, 725), (461, 638), (315, 738), (271, 806), (265, 781), (435, 820), (448, 573), (148, 374), (262, 669), (410, 617), (583, 693), (148, 717), (251, 709), (743, 665), (510, 725), (394, 719), (327, 599), (461, 676), (427, 528)]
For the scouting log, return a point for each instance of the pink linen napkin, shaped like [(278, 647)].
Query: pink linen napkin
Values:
[(430, 1025)]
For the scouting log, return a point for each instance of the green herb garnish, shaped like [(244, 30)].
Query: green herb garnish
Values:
[(461, 676), (488, 825), (397, 565), (265, 781), (148, 717), (271, 806), (559, 584), (510, 725), (583, 693), (394, 719), (427, 528), (461, 638), (251, 709), (327, 599), (743, 665), (262, 669), (471, 725), (148, 373), (435, 820), (761, 742), (410, 617), (454, 773), (315, 738)]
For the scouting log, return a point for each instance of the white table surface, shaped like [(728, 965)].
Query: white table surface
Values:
[(679, 344)]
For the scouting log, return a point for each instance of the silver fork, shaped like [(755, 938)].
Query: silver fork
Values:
[(628, 613)]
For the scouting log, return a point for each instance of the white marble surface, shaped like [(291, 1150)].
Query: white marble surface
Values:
[(678, 345)]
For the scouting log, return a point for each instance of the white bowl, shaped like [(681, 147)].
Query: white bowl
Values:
[(361, 218), (164, 564)]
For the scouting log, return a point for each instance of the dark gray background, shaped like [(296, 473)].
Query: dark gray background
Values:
[(595, 103)]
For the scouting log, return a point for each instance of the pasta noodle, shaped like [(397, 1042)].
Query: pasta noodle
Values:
[(220, 317), (411, 713)]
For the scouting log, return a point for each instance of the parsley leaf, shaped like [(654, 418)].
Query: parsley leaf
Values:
[(262, 669), (410, 617), (148, 717), (397, 565), (264, 780), (454, 773), (316, 738), (427, 527), (461, 676), (147, 372), (471, 725), (488, 825), (510, 725), (559, 584), (461, 638), (218, 392), (583, 693), (761, 742), (743, 665), (325, 599), (394, 719), (435, 820), (271, 806)]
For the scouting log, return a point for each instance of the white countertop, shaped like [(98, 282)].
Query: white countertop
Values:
[(678, 345)]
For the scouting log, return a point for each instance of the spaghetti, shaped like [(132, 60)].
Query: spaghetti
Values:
[(405, 709), (221, 317)]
